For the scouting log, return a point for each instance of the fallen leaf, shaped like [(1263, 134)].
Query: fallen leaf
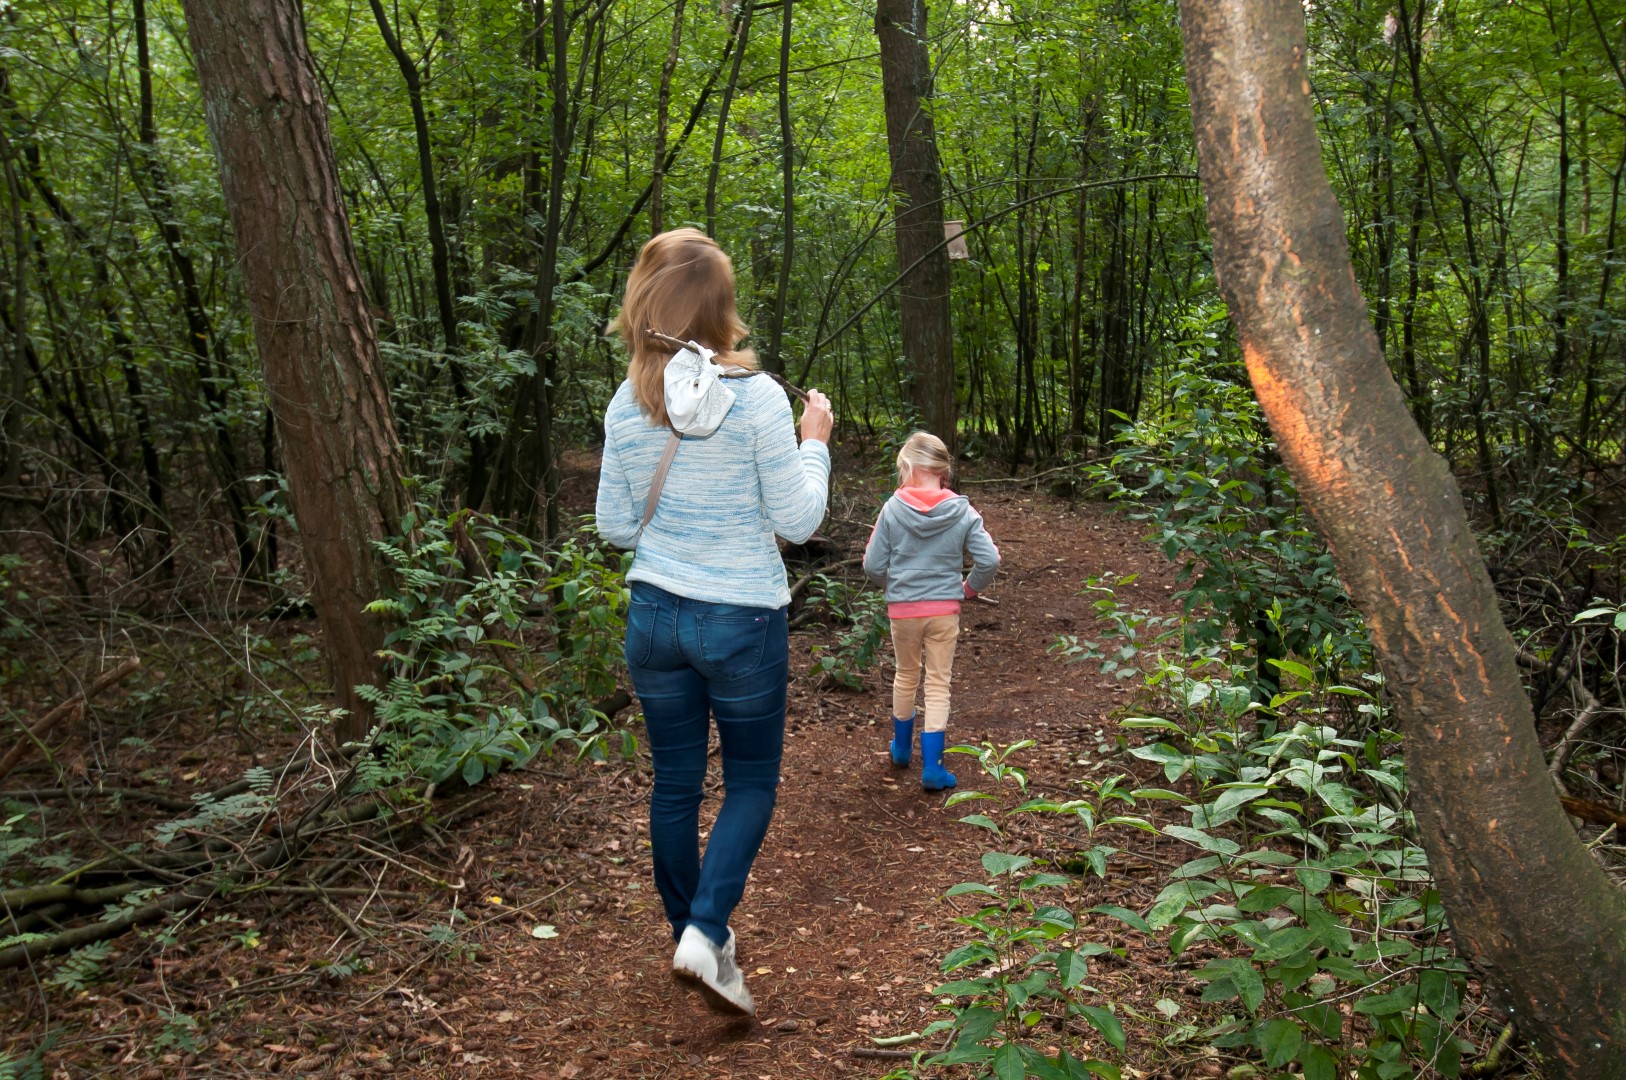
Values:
[(764, 971), (505, 1017), (543, 930), (493, 899)]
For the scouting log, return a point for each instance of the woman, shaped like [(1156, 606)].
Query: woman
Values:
[(706, 630)]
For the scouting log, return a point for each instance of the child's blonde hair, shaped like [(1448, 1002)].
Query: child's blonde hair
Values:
[(926, 452), (681, 285)]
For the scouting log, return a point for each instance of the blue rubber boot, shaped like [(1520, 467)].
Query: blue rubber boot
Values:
[(903, 738), (933, 777)]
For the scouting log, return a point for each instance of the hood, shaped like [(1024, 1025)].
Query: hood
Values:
[(928, 511)]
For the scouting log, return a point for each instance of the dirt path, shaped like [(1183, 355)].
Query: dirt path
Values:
[(842, 926), (553, 956)]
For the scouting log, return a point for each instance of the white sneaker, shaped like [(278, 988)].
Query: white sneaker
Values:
[(712, 971)]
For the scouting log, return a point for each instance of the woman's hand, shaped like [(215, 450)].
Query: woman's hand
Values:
[(817, 420)]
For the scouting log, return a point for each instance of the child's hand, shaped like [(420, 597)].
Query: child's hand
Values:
[(817, 419)]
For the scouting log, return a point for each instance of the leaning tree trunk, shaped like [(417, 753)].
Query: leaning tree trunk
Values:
[(917, 183), (1527, 905), (323, 373)]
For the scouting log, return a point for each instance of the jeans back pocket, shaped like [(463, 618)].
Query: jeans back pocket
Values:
[(732, 645), (640, 639)]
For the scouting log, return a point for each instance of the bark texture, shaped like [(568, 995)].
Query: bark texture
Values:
[(917, 184), (1527, 904), (323, 374)]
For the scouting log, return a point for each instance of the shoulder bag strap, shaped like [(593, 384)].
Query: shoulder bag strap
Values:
[(659, 481)]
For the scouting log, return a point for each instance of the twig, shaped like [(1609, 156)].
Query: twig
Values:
[(867, 1052), (64, 710), (678, 343), (338, 913), (1572, 734)]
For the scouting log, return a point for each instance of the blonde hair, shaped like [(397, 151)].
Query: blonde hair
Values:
[(682, 285), (926, 452)]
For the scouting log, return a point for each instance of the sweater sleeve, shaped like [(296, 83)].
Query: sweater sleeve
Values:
[(984, 555), (878, 553), (795, 479), (616, 516)]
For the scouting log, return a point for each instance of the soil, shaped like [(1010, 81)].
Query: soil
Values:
[(560, 962)]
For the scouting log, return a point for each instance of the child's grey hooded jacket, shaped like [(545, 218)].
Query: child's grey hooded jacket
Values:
[(918, 549)]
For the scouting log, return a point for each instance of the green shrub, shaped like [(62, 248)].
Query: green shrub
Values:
[(468, 696)]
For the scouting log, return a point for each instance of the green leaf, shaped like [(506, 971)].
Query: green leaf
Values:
[(1000, 862), (1279, 1041), (1266, 898), (1007, 1063), (1107, 1024), (1218, 844), (1243, 978), (1073, 968), (1316, 881), (1387, 1004), (965, 887), (963, 988), (969, 953), (1318, 1063), (1152, 722), (963, 796), (1123, 915), (977, 1024), (1058, 917), (1439, 993), (981, 821), (1293, 667), (1044, 881)]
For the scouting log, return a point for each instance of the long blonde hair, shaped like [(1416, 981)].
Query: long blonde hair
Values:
[(681, 285), (926, 452)]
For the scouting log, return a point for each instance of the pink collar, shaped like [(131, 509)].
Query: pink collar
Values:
[(924, 499)]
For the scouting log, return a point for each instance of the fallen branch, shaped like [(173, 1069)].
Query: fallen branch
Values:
[(68, 708), (163, 802), (1572, 734)]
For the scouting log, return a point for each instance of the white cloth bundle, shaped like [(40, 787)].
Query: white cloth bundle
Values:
[(697, 399)]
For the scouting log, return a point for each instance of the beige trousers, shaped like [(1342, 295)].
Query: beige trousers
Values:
[(927, 642)]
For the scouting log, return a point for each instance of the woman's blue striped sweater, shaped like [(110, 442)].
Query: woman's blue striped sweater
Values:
[(726, 495)]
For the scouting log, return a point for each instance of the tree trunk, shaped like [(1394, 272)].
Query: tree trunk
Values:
[(917, 184), (663, 108), (1527, 904), (323, 373), (774, 361), (741, 33)]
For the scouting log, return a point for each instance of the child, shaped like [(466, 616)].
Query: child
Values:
[(916, 551)]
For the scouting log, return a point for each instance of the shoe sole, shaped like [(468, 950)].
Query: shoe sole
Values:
[(716, 1002)]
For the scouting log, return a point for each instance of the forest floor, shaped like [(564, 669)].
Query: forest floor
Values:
[(841, 930)]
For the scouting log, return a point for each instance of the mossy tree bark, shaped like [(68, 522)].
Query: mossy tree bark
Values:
[(1528, 906), (323, 373)]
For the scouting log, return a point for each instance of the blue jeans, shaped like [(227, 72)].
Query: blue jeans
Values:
[(691, 660)]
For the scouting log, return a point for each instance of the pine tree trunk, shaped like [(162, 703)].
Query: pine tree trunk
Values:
[(323, 373), (1527, 905), (917, 183)]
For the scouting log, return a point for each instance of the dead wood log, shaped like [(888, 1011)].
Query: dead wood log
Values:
[(68, 708), (163, 802)]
